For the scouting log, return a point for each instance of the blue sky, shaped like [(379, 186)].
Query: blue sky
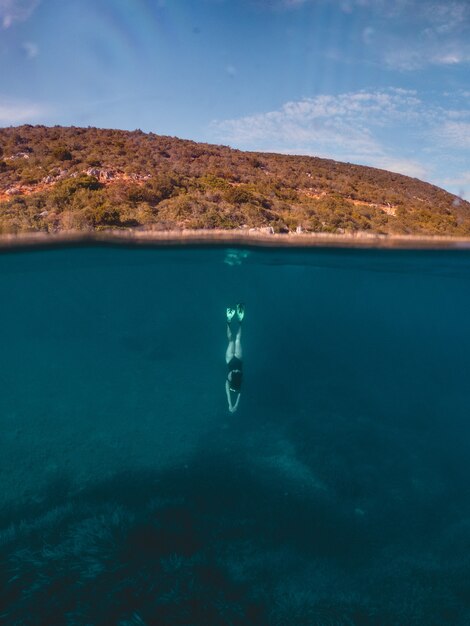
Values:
[(377, 82)]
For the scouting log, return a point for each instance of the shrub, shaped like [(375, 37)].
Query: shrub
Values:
[(62, 154), (103, 215), (69, 186), (238, 195)]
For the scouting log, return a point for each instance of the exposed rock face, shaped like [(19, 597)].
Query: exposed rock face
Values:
[(18, 155), (265, 230), (13, 191), (107, 175), (93, 171), (102, 175)]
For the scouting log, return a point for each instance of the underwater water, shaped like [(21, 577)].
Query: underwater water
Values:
[(337, 494)]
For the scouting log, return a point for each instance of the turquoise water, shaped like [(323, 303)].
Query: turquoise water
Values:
[(337, 494)]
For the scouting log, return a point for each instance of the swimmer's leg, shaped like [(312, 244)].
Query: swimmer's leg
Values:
[(231, 345), (238, 343)]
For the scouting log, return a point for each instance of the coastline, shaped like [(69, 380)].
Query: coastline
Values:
[(251, 238)]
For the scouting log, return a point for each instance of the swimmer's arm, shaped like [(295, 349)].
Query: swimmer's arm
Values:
[(229, 399), (231, 407), (235, 406)]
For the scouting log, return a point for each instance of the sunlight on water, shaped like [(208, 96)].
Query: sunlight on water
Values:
[(336, 494)]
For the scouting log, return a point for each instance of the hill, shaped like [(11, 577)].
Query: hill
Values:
[(56, 179)]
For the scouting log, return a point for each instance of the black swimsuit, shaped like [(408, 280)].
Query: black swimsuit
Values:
[(235, 369)]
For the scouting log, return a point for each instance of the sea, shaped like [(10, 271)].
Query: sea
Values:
[(337, 494)]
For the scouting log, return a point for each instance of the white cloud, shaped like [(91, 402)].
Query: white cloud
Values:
[(410, 34), (455, 134), (325, 124), (12, 113), (391, 129), (463, 178), (448, 58), (318, 122), (445, 17), (407, 57), (458, 184), (30, 49), (409, 167), (368, 35), (434, 33), (16, 10)]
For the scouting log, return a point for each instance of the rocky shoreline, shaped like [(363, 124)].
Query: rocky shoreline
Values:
[(251, 237)]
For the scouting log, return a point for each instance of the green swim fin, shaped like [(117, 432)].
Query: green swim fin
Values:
[(230, 314), (240, 311)]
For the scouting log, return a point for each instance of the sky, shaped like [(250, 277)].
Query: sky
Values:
[(384, 83)]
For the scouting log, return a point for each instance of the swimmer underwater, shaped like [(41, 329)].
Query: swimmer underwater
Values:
[(233, 358)]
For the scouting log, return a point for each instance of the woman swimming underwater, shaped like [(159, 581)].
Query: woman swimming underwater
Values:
[(233, 357)]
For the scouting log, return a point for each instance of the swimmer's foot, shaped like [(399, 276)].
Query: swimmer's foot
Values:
[(240, 311), (230, 314)]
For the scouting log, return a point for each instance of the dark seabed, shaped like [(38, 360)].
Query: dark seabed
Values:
[(337, 495)]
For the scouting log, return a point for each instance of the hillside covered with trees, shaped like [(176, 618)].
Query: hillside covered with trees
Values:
[(58, 179)]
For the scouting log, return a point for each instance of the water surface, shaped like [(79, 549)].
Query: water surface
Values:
[(337, 494)]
